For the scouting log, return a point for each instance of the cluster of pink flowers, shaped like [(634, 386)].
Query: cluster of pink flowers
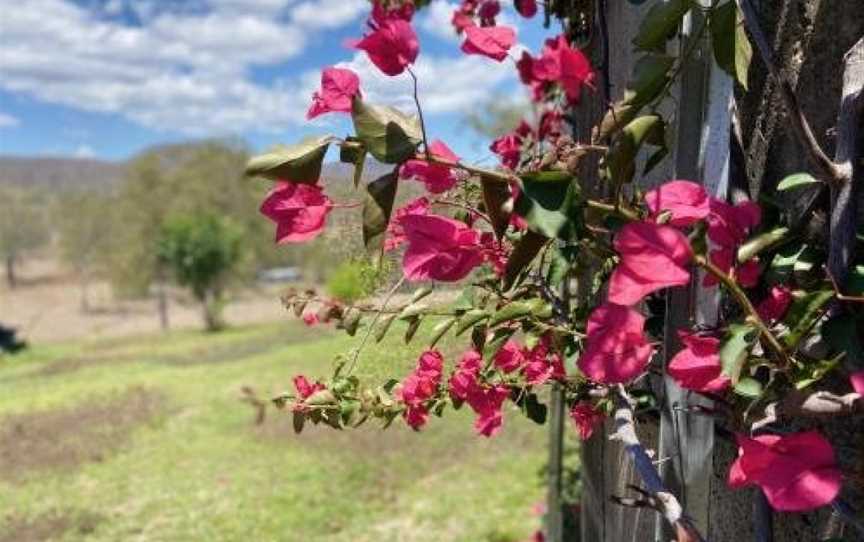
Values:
[(305, 389), (420, 386), (559, 64), (485, 400), (537, 364)]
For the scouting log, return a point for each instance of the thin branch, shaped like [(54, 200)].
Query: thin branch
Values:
[(844, 197), (661, 499), (420, 113), (744, 303), (825, 168), (820, 404), (374, 321)]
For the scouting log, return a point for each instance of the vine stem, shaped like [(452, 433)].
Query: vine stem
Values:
[(374, 321), (420, 113), (742, 300)]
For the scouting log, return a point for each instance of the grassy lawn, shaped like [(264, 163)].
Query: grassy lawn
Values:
[(147, 439)]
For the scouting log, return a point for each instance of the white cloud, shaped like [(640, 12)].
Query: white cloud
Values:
[(446, 84), (328, 13), (189, 70), (436, 19), (84, 151), (8, 121)]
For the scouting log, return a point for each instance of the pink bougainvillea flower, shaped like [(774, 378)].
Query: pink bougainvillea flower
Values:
[(729, 225), (542, 363), (509, 148), (797, 472), (420, 386), (510, 357), (550, 124), (587, 419), (464, 378), (338, 88), (438, 178), (616, 349), (299, 211), (857, 381), (685, 201), (697, 367), (311, 318), (487, 12), (487, 402), (495, 253), (747, 274), (774, 307), (526, 8), (392, 46), (439, 248), (489, 41), (305, 389), (561, 64), (652, 258), (395, 234), (381, 14)]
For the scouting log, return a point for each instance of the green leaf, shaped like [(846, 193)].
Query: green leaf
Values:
[(855, 282), (650, 77), (384, 326), (732, 50), (783, 263), (469, 319), (660, 24), (299, 163), (548, 207), (760, 243), (377, 207), (421, 292), (350, 321), (803, 313), (389, 135), (466, 299), (796, 180), (534, 409), (553, 176), (298, 420), (413, 310), (748, 387), (815, 371), (413, 326), (622, 155), (441, 328), (495, 197), (524, 252), (354, 153), (512, 311), (735, 348)]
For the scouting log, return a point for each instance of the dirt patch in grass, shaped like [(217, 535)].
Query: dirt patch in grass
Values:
[(202, 355), (62, 439), (50, 526)]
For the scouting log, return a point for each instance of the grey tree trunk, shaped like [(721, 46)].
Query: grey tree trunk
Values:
[(11, 279)]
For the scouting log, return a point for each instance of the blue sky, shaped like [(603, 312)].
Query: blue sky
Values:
[(107, 78)]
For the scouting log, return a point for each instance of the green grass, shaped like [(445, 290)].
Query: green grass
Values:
[(201, 469)]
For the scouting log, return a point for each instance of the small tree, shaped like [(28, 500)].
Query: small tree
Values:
[(84, 228), (22, 228), (201, 250)]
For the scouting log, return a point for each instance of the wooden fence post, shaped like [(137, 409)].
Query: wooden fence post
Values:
[(704, 117)]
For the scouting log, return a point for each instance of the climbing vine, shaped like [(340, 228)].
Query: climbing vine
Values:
[(562, 279)]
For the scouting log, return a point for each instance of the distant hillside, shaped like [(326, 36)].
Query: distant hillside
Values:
[(59, 173), (73, 173)]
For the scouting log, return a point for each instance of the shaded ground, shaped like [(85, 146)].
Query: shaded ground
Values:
[(49, 526), (66, 437)]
